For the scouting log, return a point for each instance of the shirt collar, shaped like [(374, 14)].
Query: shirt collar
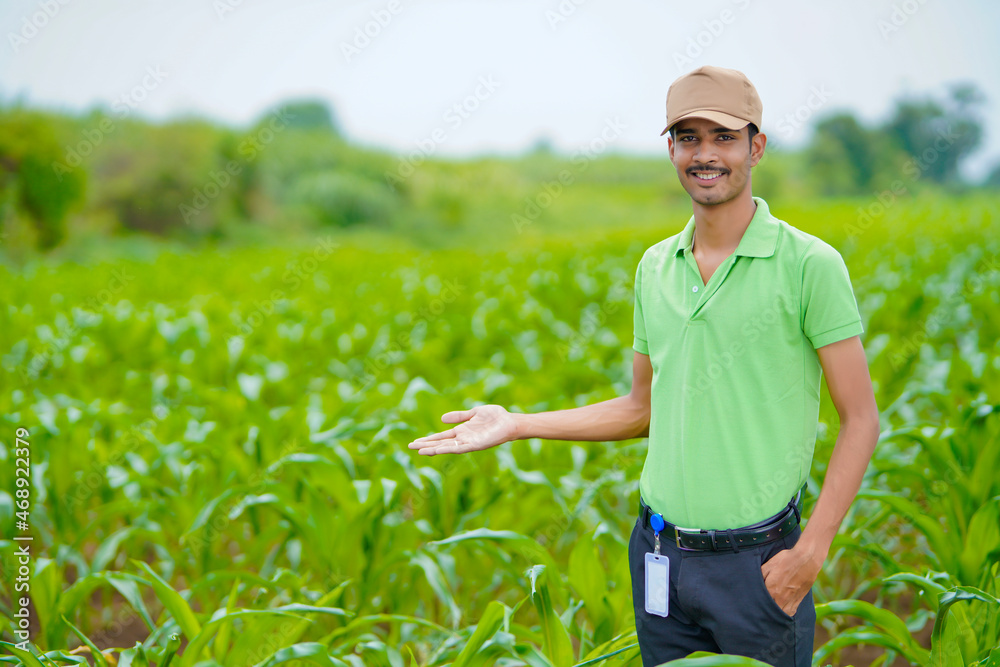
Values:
[(759, 239)]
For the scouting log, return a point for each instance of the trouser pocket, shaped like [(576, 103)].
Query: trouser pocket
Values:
[(767, 600)]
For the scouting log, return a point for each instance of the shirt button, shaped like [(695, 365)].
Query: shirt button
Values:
[(694, 289)]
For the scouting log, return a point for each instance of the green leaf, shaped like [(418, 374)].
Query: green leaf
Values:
[(309, 651), (946, 600), (939, 542), (437, 582), (174, 603), (136, 655), (296, 633), (27, 657), (125, 657), (891, 624), (94, 651), (486, 628), (362, 622), (46, 586), (208, 510), (528, 547), (222, 637), (81, 589), (992, 660), (107, 550), (173, 643), (556, 643), (707, 659), (982, 539), (930, 588), (634, 646), (198, 644), (586, 575), (56, 658), (855, 637), (127, 585)]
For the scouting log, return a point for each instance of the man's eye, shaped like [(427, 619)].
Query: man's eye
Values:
[(725, 136)]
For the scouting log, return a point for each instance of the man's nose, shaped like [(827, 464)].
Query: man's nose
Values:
[(705, 152)]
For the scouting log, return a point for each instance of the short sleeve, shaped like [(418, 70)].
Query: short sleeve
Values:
[(639, 343), (829, 309)]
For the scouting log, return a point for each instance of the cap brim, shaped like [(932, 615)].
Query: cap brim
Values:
[(724, 119)]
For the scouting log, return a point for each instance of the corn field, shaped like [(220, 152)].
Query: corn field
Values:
[(219, 473)]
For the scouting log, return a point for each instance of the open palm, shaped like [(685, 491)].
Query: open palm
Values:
[(485, 426)]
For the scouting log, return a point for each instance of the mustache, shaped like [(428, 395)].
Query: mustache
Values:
[(695, 168)]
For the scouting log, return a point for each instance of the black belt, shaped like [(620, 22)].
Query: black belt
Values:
[(763, 532)]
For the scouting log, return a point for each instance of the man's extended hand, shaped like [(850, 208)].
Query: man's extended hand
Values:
[(487, 426), (789, 575)]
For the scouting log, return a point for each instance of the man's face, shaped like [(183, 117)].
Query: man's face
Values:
[(713, 163)]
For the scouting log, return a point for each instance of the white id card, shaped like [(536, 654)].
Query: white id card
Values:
[(657, 579)]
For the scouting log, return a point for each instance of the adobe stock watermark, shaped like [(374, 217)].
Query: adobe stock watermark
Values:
[(572, 347), (899, 16), (394, 349), (295, 275), (580, 159), (943, 314), (912, 170), (712, 29), (818, 97), (224, 7), (783, 306), (33, 24), (759, 504), (454, 117), (227, 511), (562, 13), (559, 522), (218, 181), (365, 34), (33, 368), (97, 475), (453, 466), (122, 106)]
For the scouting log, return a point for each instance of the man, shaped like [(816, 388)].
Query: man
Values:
[(736, 319)]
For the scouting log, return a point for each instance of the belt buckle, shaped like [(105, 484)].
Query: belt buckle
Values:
[(677, 537)]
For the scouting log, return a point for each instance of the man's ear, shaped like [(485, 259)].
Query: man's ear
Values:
[(757, 145), (670, 147)]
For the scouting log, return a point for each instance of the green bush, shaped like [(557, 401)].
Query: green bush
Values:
[(33, 177), (178, 181), (342, 199)]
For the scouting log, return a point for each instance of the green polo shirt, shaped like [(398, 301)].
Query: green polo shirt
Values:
[(736, 377)]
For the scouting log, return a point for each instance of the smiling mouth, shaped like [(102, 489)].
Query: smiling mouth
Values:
[(703, 176)]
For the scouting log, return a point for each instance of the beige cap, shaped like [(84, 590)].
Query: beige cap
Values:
[(719, 94)]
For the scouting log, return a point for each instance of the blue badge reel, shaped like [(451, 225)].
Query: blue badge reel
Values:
[(657, 572)]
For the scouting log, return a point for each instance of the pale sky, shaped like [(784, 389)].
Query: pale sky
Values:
[(556, 68)]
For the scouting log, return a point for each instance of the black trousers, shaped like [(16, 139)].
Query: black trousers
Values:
[(719, 602)]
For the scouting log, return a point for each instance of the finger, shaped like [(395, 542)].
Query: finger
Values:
[(457, 416), (452, 448), (419, 446), (443, 435), (426, 444)]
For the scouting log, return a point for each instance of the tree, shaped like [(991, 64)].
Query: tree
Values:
[(840, 155), (309, 114), (846, 158), (34, 175), (993, 180), (938, 135), (180, 179), (542, 146)]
